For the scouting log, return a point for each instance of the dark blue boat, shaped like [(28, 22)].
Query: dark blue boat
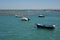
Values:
[(41, 16), (45, 26)]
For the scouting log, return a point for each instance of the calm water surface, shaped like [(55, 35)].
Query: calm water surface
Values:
[(12, 28)]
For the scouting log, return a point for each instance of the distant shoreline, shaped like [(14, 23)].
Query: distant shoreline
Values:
[(30, 9), (13, 12)]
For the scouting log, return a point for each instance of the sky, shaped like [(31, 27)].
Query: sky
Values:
[(29, 4)]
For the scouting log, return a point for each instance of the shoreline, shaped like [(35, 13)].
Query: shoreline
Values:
[(18, 12)]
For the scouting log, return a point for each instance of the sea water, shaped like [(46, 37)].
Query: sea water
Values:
[(12, 28)]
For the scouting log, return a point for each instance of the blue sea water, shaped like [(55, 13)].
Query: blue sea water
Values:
[(12, 28)]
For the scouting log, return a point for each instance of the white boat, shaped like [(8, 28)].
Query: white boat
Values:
[(25, 19), (17, 15)]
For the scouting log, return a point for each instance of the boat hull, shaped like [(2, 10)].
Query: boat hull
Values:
[(41, 16), (44, 26)]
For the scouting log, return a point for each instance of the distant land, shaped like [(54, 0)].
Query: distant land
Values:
[(13, 12), (31, 9)]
